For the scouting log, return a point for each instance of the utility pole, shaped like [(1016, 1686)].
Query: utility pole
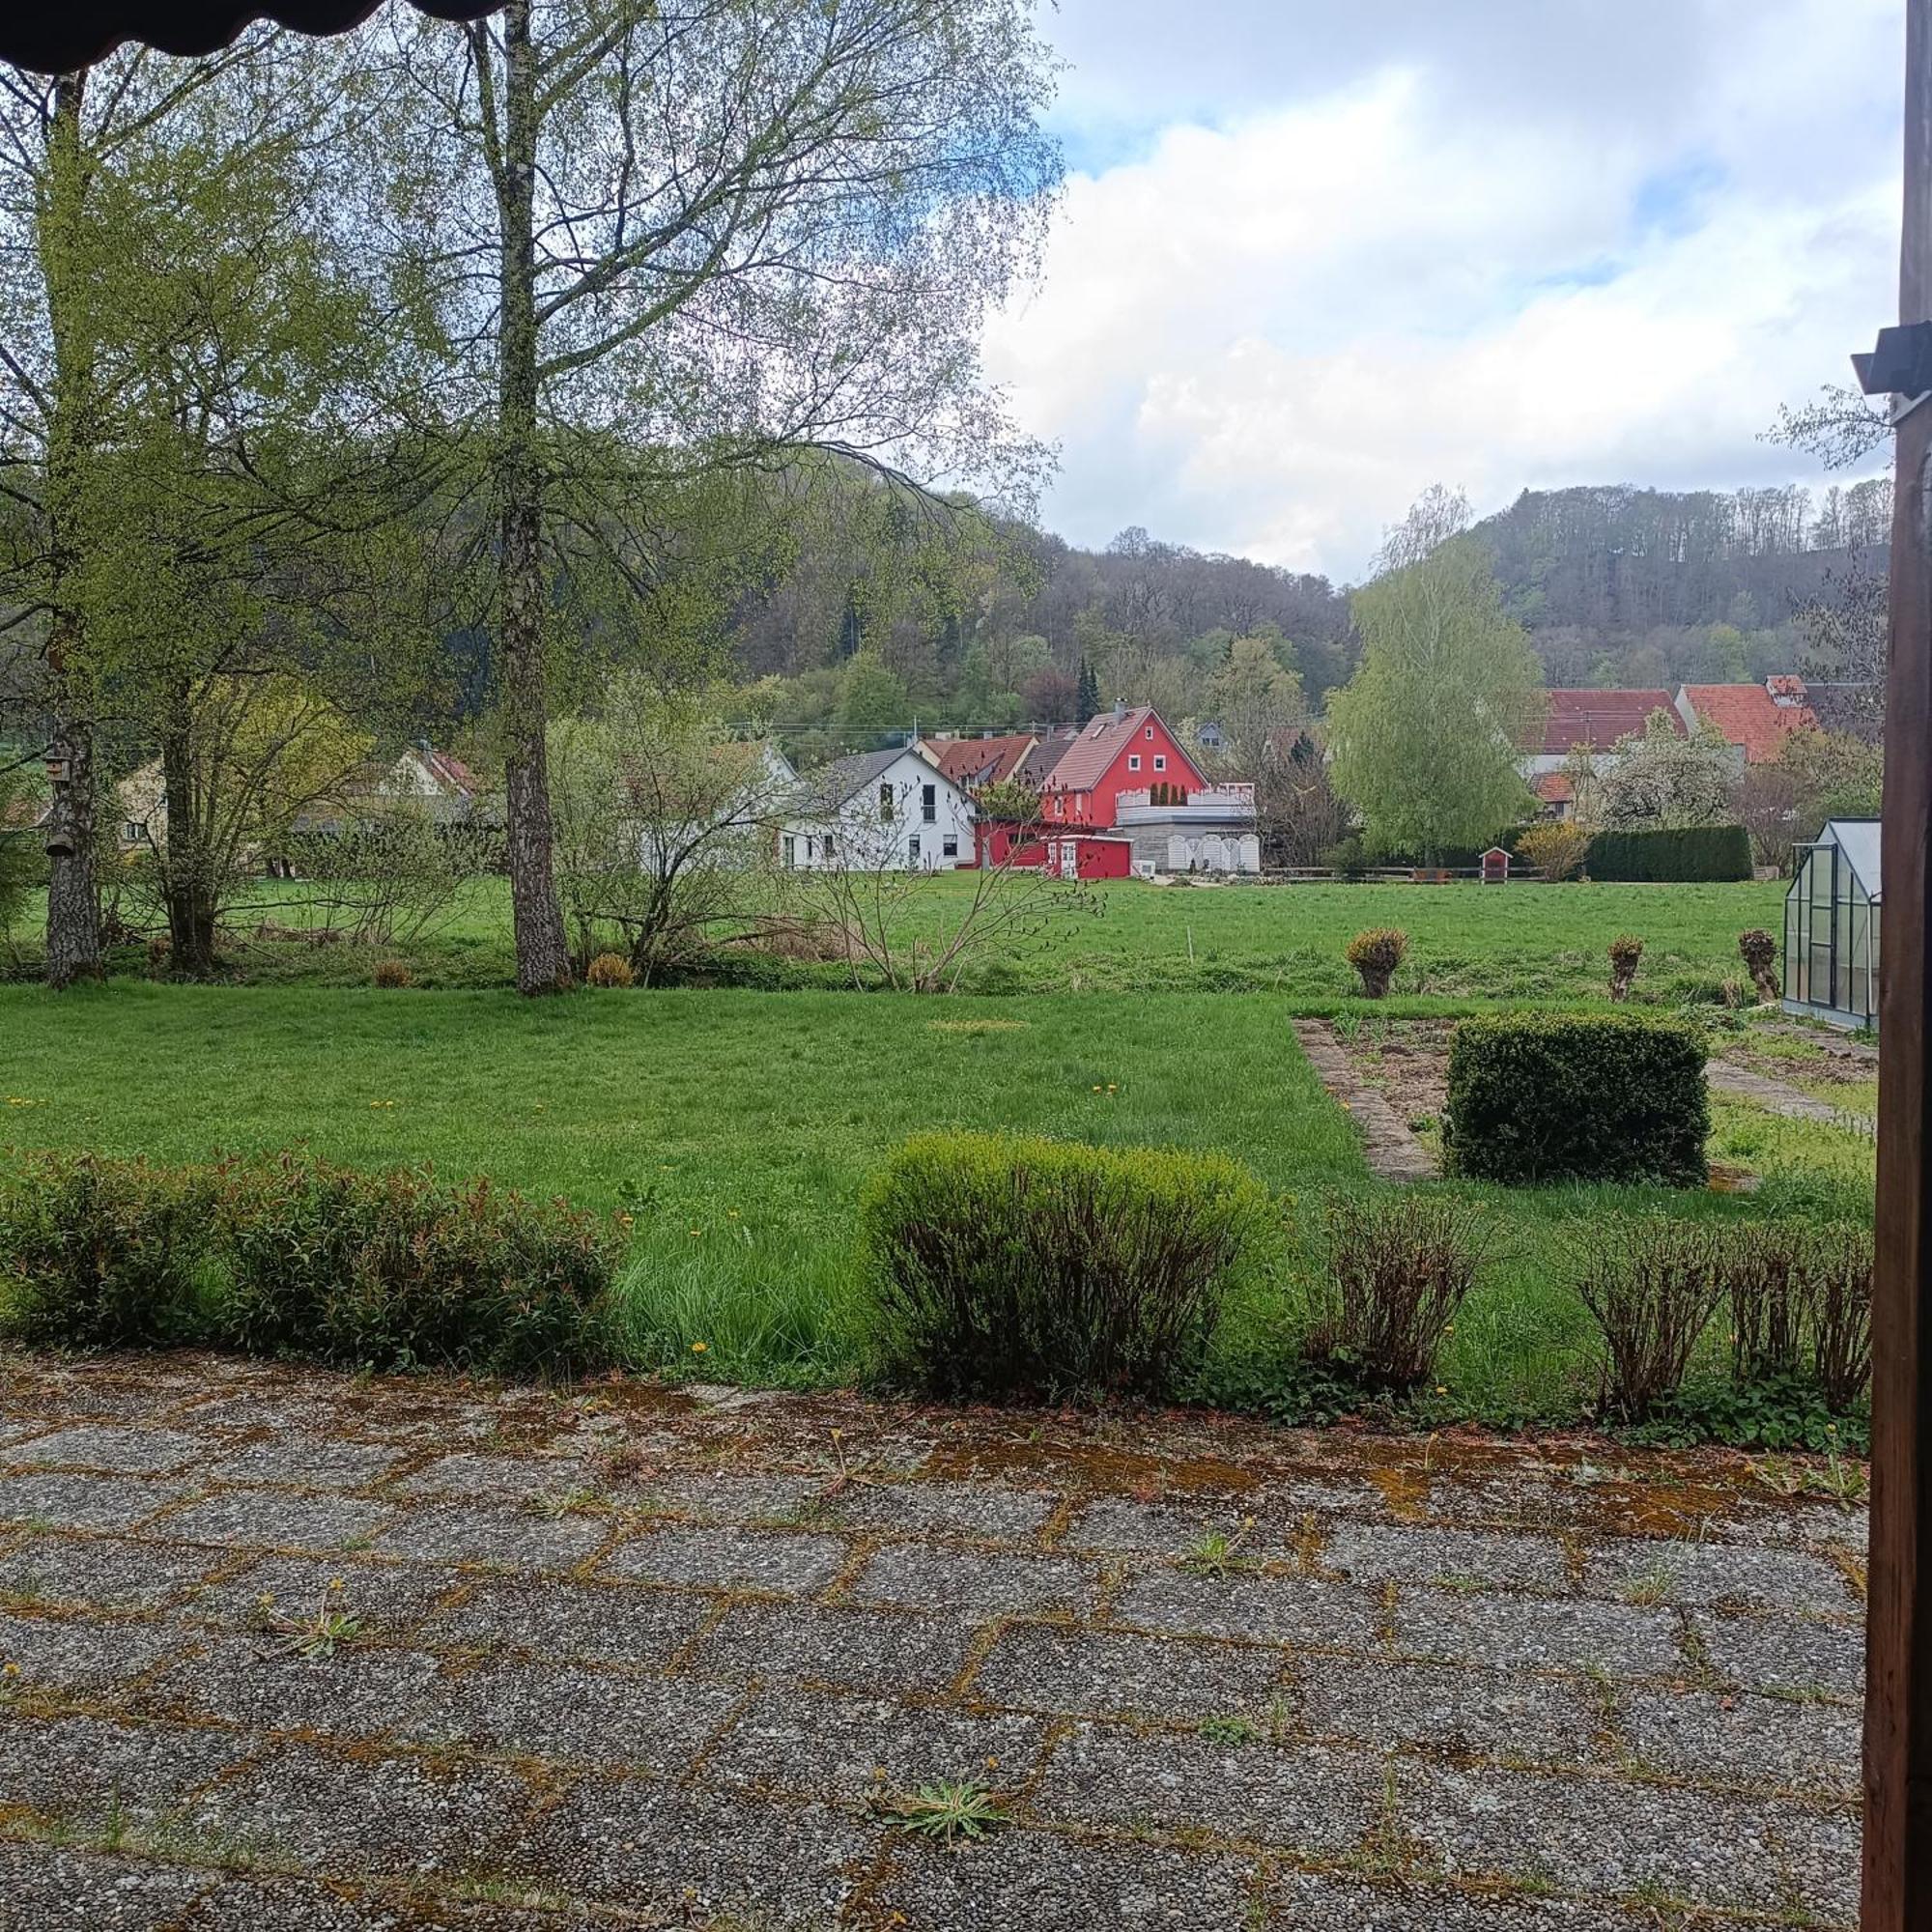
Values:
[(1898, 1694)]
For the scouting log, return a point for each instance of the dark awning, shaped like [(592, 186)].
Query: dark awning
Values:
[(58, 39)]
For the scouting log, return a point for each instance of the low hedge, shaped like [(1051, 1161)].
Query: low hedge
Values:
[(1682, 855), (1004, 1265), (294, 1257), (1606, 1097)]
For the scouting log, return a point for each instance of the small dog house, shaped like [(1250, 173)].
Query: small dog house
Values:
[(1832, 925)]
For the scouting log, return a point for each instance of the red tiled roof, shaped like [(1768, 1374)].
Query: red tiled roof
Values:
[(1600, 717), (1087, 760), (1749, 717), (448, 769), (977, 761), (1553, 788)]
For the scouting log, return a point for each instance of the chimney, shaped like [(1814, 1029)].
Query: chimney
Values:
[(1119, 711)]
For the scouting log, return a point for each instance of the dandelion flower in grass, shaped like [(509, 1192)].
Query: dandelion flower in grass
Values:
[(700, 1348), (1440, 1390), (9, 1670)]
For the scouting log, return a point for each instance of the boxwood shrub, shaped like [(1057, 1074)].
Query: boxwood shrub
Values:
[(1687, 853), (1600, 1096), (1003, 1265)]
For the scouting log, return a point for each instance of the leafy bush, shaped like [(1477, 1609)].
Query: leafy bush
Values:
[(1006, 1265), (1398, 1268), (1375, 955), (1601, 1096), (1653, 1287), (1557, 850), (610, 969), (100, 1253), (1690, 853), (396, 1270), (1759, 951), (393, 973), (294, 1256), (1626, 957)]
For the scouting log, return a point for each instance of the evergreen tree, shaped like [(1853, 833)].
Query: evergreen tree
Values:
[(1086, 693)]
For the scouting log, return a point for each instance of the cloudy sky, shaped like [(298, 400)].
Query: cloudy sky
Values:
[(1317, 254)]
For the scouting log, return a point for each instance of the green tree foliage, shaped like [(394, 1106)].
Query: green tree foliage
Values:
[(1086, 693), (873, 703), (1427, 734), (1255, 698)]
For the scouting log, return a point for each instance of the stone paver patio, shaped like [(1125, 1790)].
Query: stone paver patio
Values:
[(629, 1656)]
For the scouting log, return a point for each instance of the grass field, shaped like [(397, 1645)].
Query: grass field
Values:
[(737, 1128), (1468, 942)]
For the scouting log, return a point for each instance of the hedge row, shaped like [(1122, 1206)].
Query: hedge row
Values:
[(1599, 1096), (1699, 853), (294, 1257)]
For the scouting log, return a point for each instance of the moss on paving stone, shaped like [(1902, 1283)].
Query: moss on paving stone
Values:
[(675, 1695)]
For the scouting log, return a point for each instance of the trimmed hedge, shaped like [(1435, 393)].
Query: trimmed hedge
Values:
[(294, 1256), (1547, 1097), (1684, 855), (1006, 1265)]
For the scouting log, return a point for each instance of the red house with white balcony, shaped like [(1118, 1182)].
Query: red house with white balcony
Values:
[(1122, 751)]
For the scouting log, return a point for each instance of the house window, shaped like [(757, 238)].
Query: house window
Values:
[(831, 845), (886, 802), (929, 803), (133, 832), (1134, 762), (912, 848), (791, 851), (1149, 732), (950, 846), (1160, 763)]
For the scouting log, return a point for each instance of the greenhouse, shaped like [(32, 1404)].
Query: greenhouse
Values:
[(1831, 926)]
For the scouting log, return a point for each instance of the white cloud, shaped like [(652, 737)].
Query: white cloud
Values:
[(1269, 334)]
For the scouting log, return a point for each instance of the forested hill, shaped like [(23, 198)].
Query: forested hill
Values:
[(1612, 576)]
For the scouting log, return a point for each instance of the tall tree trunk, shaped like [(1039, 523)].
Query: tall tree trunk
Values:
[(187, 870), (543, 958), (73, 890)]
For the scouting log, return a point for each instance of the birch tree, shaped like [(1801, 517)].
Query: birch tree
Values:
[(712, 234)]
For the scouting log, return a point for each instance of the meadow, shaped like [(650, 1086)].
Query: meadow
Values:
[(1468, 943), (735, 1129)]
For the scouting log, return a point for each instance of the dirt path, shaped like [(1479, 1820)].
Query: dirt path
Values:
[(1776, 1096), (1392, 1152)]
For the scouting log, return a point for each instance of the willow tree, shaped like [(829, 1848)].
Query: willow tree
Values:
[(1429, 735), (710, 235)]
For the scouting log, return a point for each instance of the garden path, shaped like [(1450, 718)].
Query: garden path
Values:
[(1388, 1146), (1776, 1097), (283, 1649)]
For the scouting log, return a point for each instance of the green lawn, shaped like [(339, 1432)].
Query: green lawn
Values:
[(1468, 942), (737, 1127)]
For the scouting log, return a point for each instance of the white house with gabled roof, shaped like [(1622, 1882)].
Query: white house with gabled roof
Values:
[(879, 812)]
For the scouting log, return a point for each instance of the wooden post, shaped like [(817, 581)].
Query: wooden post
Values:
[(1898, 1697)]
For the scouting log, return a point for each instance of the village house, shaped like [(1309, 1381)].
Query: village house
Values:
[(879, 812), (974, 762), (1587, 721), (1755, 719), (1124, 750)]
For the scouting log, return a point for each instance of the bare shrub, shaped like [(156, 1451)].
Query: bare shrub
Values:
[(609, 970), (1557, 850), (1764, 1274), (1759, 951), (1652, 1286), (1626, 955), (1838, 1304), (392, 973), (1398, 1268), (1376, 954)]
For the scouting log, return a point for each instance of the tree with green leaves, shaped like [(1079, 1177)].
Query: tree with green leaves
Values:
[(1256, 700), (674, 239), (1428, 736), (873, 703), (1661, 779)]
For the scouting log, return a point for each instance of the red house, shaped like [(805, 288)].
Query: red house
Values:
[(1120, 750)]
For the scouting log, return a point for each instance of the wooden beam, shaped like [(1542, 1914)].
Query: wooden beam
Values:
[(1898, 1696)]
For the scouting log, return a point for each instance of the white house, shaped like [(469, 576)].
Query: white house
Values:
[(729, 818), (879, 812)]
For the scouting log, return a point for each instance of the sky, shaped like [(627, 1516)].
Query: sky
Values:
[(1316, 255)]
